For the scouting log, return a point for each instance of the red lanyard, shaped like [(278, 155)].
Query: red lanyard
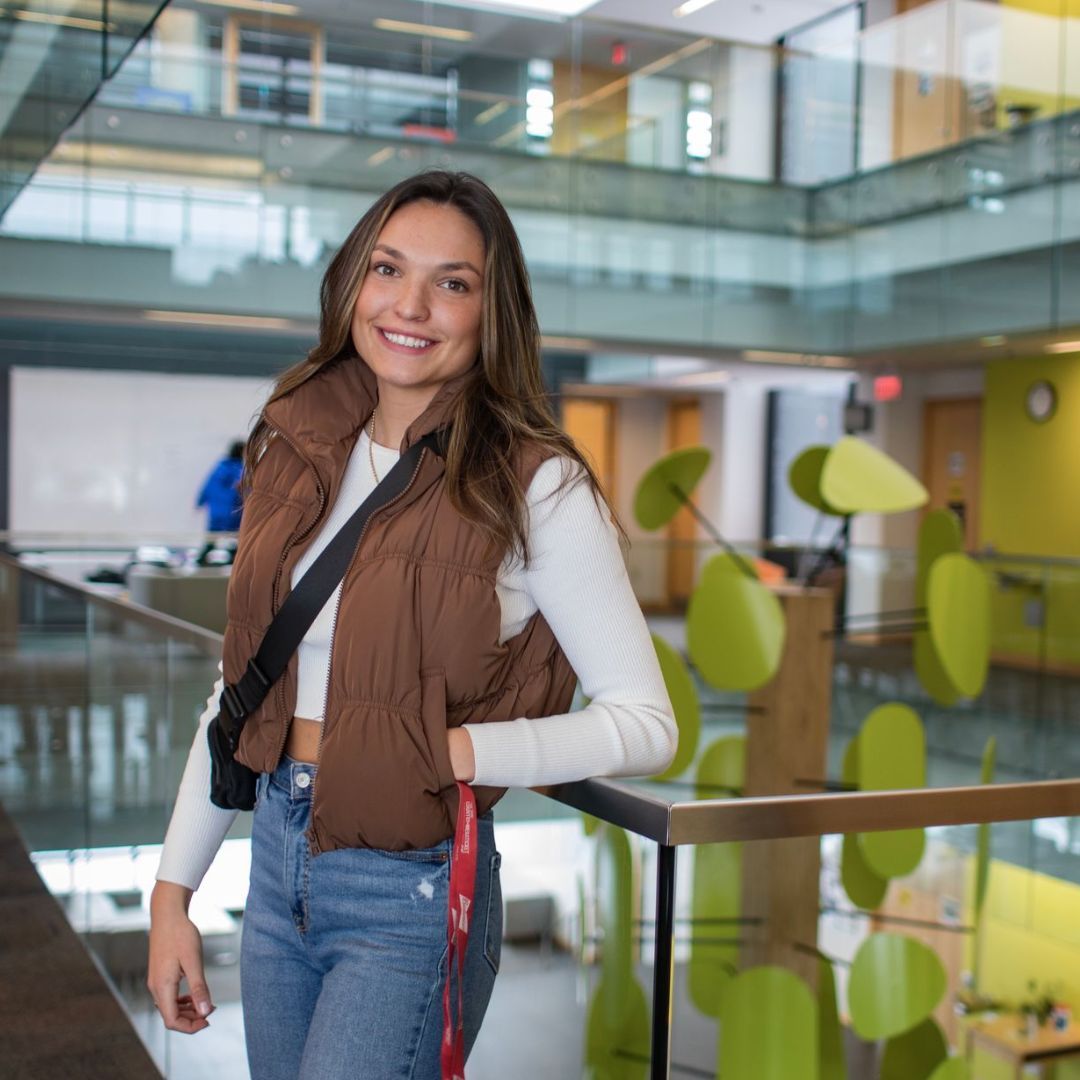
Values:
[(462, 886)]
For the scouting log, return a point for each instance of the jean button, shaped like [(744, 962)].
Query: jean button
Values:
[(303, 780)]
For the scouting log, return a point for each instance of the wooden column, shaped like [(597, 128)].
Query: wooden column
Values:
[(787, 743)]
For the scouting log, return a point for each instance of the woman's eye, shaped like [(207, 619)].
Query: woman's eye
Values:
[(383, 269), (454, 285)]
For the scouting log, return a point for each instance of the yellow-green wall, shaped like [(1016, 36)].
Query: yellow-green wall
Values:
[(1030, 931), (1031, 472)]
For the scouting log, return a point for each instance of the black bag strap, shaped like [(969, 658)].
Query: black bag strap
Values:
[(303, 604)]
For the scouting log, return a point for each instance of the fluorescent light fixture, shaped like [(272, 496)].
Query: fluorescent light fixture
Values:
[(210, 318), (262, 7), (385, 154), (1062, 347), (698, 119), (690, 7), (63, 20), (490, 114), (766, 356), (552, 9), (702, 378), (144, 160), (447, 33), (540, 96), (544, 70)]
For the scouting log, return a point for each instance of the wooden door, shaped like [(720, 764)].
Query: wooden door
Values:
[(952, 447), (927, 99), (590, 422), (684, 429)]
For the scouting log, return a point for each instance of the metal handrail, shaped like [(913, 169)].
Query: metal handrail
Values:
[(205, 640), (647, 810)]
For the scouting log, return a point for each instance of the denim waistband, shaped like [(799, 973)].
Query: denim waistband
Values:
[(295, 778)]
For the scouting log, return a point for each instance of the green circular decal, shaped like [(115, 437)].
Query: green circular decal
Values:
[(958, 607), (655, 503), (857, 478), (734, 632), (896, 982)]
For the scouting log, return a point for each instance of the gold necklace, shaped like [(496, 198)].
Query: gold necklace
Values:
[(371, 446)]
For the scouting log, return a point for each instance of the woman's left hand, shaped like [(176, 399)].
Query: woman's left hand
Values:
[(462, 759)]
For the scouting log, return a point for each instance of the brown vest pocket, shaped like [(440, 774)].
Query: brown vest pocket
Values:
[(433, 716)]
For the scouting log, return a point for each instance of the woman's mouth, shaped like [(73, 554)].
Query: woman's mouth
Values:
[(407, 342)]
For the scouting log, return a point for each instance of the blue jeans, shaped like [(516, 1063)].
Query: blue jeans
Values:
[(343, 957)]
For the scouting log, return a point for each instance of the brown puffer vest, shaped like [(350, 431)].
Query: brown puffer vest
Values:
[(416, 647)]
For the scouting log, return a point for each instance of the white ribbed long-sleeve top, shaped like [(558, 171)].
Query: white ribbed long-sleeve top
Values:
[(577, 579)]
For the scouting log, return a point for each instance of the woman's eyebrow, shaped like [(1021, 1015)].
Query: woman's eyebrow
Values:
[(395, 254)]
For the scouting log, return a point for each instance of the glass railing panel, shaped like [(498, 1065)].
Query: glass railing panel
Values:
[(52, 66)]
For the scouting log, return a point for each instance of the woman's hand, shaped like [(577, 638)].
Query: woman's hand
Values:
[(175, 953), (462, 759)]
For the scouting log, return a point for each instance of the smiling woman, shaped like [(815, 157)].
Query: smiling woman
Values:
[(417, 317), (446, 656)]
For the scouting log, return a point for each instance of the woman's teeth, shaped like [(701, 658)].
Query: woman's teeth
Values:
[(411, 342)]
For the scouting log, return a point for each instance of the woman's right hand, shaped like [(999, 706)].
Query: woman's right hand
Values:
[(175, 953)]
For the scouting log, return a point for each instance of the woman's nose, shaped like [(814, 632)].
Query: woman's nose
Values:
[(412, 301)]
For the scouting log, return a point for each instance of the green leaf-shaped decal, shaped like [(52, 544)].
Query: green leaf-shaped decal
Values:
[(958, 607), (982, 843), (735, 631), (717, 890), (865, 889), (656, 502), (617, 1044), (915, 1054), (858, 478), (830, 1032), (892, 755), (896, 982), (804, 476), (954, 1069), (684, 703), (768, 1027)]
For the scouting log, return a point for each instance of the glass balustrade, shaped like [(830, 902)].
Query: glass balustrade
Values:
[(99, 702)]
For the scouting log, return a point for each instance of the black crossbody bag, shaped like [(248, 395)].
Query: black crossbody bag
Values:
[(232, 785)]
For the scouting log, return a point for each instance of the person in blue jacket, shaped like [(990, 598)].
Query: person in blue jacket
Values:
[(222, 497)]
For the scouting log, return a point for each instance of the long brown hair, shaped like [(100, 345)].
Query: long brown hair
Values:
[(504, 408)]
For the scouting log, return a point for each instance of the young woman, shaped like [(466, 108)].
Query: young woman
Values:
[(448, 653)]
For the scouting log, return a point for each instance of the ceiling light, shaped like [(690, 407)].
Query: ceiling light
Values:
[(262, 7), (64, 20), (210, 318), (991, 340), (1063, 346), (553, 9), (448, 33), (701, 378), (489, 114), (690, 7)]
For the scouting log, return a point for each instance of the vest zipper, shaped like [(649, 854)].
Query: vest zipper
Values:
[(293, 540), (313, 842)]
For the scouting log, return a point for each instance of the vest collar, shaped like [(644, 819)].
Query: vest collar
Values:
[(334, 404)]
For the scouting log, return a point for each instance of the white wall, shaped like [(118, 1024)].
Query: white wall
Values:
[(120, 452)]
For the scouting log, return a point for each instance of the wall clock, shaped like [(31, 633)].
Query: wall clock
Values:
[(1040, 402)]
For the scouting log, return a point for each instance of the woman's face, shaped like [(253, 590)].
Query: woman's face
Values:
[(417, 316)]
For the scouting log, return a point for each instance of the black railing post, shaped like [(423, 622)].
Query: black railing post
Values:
[(663, 963)]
